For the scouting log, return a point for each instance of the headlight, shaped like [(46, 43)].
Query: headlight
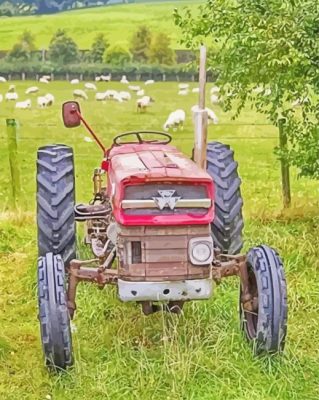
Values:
[(201, 251)]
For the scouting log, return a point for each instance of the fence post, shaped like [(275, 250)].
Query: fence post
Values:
[(23, 76), (13, 159), (285, 181)]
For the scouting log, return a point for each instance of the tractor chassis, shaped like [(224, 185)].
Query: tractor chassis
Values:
[(223, 266)]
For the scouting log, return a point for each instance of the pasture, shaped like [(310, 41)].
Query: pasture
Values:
[(121, 354), (83, 25)]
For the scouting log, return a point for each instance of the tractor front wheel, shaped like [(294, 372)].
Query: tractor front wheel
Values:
[(264, 316), (53, 312)]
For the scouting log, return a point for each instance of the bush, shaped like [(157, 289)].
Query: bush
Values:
[(117, 55)]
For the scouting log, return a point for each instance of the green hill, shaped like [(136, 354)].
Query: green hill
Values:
[(117, 22)]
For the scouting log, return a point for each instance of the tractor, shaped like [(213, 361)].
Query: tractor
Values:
[(162, 228)]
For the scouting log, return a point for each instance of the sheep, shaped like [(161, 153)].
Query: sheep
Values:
[(11, 89), (212, 117), (11, 96), (50, 99), (195, 90), (214, 89), (105, 78), (144, 102), (183, 92), (23, 105), (32, 89), (97, 79), (124, 80), (90, 86), (80, 94), (214, 99), (149, 82), (183, 86), (134, 88), (117, 97), (174, 120), (110, 93), (140, 92), (100, 96), (43, 80), (42, 101), (47, 77), (74, 81), (125, 95), (3, 79)]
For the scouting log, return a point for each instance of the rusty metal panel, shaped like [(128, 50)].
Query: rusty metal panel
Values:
[(165, 255), (166, 242), (165, 271)]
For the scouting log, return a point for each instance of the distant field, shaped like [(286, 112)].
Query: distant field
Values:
[(121, 354), (116, 22)]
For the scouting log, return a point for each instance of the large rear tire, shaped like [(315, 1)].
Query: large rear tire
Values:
[(53, 312), (265, 322), (55, 202), (228, 223)]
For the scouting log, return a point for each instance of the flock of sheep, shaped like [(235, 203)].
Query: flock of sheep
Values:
[(175, 119)]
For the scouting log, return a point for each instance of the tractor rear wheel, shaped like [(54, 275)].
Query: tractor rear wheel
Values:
[(264, 318), (53, 312), (55, 202), (228, 222)]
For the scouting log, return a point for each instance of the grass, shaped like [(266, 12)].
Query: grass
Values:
[(120, 354), (115, 22)]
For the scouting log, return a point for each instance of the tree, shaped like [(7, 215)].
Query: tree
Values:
[(21, 51), (267, 55), (160, 52), (117, 55), (140, 44), (98, 49), (27, 39), (63, 49)]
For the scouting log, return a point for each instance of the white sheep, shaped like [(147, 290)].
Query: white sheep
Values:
[(195, 90), (214, 89), (23, 105), (11, 96), (43, 80), (149, 82), (100, 96), (124, 80), (212, 117), (105, 78), (50, 99), (90, 86), (214, 99), (144, 102), (110, 94), (183, 86), (3, 79), (47, 77), (118, 97), (183, 92), (41, 101), (175, 120), (140, 92), (134, 88), (97, 79), (125, 95), (80, 94), (32, 89), (74, 81)]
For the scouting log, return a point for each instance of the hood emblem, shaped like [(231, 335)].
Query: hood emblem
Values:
[(166, 199)]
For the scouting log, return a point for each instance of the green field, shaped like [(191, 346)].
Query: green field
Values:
[(121, 354), (116, 22)]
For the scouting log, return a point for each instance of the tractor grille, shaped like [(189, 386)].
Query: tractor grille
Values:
[(168, 199)]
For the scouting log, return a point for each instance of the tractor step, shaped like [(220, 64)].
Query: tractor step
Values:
[(84, 212)]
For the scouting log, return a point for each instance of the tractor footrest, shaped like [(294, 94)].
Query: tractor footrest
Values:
[(83, 212)]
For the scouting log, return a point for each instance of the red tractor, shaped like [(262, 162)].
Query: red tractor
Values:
[(161, 228)]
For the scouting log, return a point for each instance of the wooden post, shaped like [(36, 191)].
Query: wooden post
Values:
[(13, 159), (200, 116), (285, 181)]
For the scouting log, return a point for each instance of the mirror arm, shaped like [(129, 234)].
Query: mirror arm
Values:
[(91, 131)]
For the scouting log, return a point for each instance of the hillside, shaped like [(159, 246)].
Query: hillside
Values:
[(116, 22)]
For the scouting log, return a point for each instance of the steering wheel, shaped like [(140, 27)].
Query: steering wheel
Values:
[(139, 135)]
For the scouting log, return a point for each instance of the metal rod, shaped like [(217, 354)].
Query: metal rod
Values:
[(91, 132)]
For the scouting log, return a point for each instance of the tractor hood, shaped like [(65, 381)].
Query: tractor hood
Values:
[(158, 185)]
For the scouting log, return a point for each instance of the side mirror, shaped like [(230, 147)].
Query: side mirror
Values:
[(70, 114)]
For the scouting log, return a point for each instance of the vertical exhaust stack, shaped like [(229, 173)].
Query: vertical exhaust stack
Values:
[(200, 117)]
